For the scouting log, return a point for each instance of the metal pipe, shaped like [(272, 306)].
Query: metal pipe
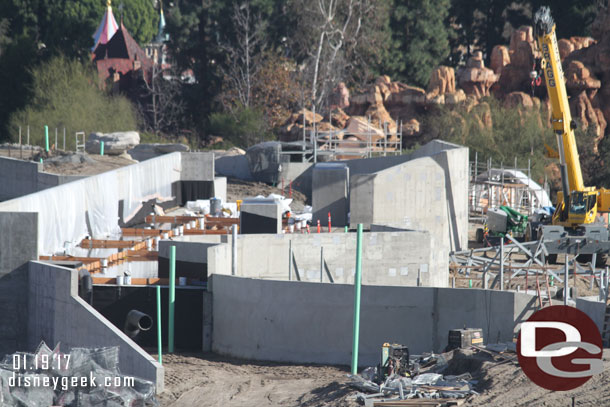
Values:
[(46, 138), (102, 147), (135, 322), (565, 282), (502, 264), (172, 297), (321, 263), (357, 287), (234, 250), (159, 340)]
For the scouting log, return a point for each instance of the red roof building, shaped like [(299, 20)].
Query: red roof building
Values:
[(119, 58)]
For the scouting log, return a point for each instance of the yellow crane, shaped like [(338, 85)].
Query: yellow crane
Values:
[(575, 221)]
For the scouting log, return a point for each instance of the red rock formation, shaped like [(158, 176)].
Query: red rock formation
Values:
[(339, 99), (475, 79), (442, 81), (499, 58)]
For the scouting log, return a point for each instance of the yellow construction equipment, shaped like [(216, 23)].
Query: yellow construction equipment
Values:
[(577, 206)]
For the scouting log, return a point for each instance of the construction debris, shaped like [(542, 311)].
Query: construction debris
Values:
[(431, 385), (84, 377)]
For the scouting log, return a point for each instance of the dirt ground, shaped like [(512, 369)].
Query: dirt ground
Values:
[(239, 189), (210, 380)]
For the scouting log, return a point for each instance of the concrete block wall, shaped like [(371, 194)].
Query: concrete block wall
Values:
[(392, 258), (57, 314), (303, 322)]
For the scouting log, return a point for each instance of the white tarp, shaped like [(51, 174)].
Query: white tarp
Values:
[(62, 210)]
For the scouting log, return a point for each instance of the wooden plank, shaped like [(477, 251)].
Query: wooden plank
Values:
[(107, 244), (207, 232), (144, 232), (103, 280), (170, 219), (71, 258)]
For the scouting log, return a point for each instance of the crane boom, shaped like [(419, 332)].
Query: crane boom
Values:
[(561, 117)]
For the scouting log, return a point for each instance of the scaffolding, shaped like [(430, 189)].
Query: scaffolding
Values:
[(491, 187), (334, 145)]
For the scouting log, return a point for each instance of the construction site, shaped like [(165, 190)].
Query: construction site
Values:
[(335, 267)]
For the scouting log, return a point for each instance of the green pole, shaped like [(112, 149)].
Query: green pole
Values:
[(470, 283), (357, 281), (41, 160), (159, 340), (172, 297), (101, 148), (346, 229), (46, 138)]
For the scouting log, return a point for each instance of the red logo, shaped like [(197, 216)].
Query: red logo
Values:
[(560, 348)]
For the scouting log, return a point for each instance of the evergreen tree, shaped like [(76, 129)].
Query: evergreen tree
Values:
[(420, 39)]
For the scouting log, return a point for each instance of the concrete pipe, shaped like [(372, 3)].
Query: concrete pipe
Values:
[(135, 322)]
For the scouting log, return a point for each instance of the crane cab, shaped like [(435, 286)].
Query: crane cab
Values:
[(582, 209)]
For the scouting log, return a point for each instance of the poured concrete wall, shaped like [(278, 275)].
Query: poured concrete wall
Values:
[(197, 166), (57, 314), (330, 193), (235, 166), (19, 178), (312, 323), (392, 258), (18, 245), (409, 196)]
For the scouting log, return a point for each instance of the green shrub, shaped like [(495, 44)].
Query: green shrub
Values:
[(243, 128), (64, 94)]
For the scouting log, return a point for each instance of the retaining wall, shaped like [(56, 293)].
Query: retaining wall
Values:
[(57, 314), (303, 322), (393, 258)]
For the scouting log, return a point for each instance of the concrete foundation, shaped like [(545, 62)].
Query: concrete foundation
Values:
[(197, 166), (330, 193)]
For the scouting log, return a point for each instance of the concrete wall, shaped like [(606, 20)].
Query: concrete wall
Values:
[(197, 166), (596, 310), (18, 245), (312, 323), (57, 314), (220, 188), (235, 166), (300, 174), (409, 196), (19, 178), (330, 193), (392, 258)]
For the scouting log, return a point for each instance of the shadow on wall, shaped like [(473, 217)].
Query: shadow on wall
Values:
[(57, 314)]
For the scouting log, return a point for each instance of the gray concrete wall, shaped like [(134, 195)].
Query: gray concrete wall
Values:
[(392, 258), (312, 323), (235, 166), (195, 252), (300, 174), (18, 245), (596, 310), (330, 193), (410, 196), (197, 166), (57, 314), (19, 178)]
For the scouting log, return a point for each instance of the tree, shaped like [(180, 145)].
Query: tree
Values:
[(64, 93), (243, 56), (420, 39), (338, 40), (160, 104)]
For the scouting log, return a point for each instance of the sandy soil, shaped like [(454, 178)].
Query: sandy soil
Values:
[(210, 380)]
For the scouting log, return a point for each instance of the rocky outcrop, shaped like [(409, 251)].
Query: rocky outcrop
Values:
[(442, 81), (475, 79), (339, 99), (499, 58), (114, 143)]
